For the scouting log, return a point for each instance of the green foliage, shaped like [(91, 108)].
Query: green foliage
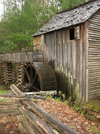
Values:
[(66, 102), (71, 127), (50, 97), (94, 130), (3, 91), (22, 18), (2, 100), (67, 4), (58, 99), (8, 46)]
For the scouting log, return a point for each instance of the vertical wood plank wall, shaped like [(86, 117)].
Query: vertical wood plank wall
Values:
[(68, 59), (37, 41), (94, 56)]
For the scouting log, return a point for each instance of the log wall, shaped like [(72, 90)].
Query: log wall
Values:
[(94, 56), (68, 59)]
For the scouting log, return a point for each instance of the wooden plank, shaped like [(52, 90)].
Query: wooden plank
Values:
[(10, 111), (56, 45), (59, 48), (77, 87), (53, 47), (55, 42), (74, 65), (66, 56), (5, 104), (81, 61), (68, 69), (14, 97), (74, 59), (87, 44), (31, 129), (37, 40), (42, 92), (84, 63), (71, 61), (38, 123), (94, 56)]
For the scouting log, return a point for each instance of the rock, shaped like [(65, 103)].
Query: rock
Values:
[(12, 132), (98, 117)]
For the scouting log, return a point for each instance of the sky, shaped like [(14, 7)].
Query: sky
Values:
[(1, 8)]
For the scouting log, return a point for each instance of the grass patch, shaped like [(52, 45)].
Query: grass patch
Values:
[(3, 91), (2, 100)]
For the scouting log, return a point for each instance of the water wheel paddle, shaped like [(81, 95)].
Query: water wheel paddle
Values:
[(40, 77)]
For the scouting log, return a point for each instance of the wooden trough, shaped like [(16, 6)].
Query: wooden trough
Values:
[(23, 56)]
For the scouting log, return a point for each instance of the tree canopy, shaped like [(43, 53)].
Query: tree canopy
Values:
[(22, 18)]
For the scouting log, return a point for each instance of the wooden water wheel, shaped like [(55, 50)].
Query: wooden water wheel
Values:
[(40, 77)]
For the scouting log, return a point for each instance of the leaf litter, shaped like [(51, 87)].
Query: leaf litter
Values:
[(69, 117)]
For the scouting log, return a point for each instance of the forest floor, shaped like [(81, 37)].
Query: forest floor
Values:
[(9, 124), (67, 115), (70, 117)]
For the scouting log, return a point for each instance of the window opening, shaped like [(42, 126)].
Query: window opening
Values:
[(72, 34)]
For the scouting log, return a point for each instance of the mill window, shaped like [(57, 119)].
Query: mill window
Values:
[(72, 34)]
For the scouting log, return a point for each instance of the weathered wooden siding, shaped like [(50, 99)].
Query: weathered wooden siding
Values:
[(68, 59), (37, 41), (94, 55)]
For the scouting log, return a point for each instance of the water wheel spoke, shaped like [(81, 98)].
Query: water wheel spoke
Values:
[(31, 73), (34, 78), (28, 76), (36, 89), (37, 77)]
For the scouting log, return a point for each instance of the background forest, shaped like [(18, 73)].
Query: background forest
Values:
[(22, 18)]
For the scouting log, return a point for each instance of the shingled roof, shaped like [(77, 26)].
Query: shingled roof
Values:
[(70, 17)]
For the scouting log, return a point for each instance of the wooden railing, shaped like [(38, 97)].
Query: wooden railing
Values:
[(34, 119)]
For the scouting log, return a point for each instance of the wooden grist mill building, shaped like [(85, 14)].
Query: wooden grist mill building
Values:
[(72, 48)]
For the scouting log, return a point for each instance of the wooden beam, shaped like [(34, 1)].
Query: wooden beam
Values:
[(28, 76), (63, 129), (20, 97), (42, 92), (10, 111), (5, 104), (37, 122), (27, 125)]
